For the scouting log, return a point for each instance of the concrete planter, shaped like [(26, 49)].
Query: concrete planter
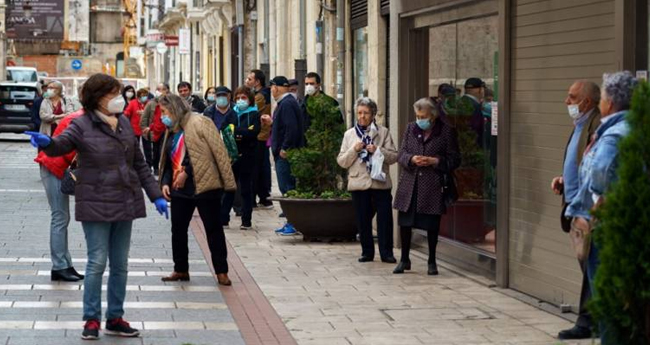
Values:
[(321, 219)]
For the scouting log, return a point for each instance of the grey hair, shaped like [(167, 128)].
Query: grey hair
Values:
[(425, 104), (177, 107), (590, 90), (618, 88), (58, 85), (366, 102)]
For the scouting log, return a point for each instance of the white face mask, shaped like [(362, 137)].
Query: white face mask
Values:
[(116, 105), (310, 90), (574, 111), (129, 94), (157, 93)]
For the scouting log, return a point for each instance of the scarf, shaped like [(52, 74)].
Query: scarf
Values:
[(109, 120), (178, 154), (364, 133)]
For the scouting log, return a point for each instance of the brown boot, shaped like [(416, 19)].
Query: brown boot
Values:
[(177, 276), (223, 279)]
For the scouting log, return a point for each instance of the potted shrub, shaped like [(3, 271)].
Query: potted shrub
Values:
[(622, 288), (320, 207)]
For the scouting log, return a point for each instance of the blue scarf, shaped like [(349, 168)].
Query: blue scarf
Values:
[(363, 132)]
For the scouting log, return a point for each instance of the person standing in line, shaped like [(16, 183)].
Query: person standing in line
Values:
[(111, 174), (221, 112), (429, 152), (247, 127), (36, 107), (129, 94), (52, 171), (582, 104), (370, 193), (185, 91), (134, 111), (195, 170), (210, 96), (313, 92), (153, 128), (54, 107), (256, 80), (287, 133)]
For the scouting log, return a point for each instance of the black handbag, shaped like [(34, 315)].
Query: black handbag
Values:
[(449, 189), (69, 180)]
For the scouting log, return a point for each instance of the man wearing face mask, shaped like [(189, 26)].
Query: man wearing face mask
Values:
[(315, 97), (582, 106), (221, 113), (185, 91), (153, 128)]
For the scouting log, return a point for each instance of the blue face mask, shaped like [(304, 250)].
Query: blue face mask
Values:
[(144, 99), (222, 102), (167, 121), (486, 109), (242, 104), (211, 98), (424, 124)]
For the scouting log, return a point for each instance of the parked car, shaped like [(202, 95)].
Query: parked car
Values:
[(22, 74), (16, 101)]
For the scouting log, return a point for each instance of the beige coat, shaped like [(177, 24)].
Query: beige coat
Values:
[(47, 114), (208, 155), (358, 176)]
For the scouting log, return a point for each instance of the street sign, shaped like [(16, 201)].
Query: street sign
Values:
[(161, 48), (76, 64), (184, 41)]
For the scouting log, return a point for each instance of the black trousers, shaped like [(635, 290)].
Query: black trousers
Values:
[(182, 211), (406, 233), (365, 204), (584, 317), (262, 172), (155, 159), (245, 186)]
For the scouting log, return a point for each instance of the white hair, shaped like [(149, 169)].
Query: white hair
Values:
[(618, 88)]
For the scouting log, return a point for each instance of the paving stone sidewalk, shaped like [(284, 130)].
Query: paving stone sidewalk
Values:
[(34, 310), (325, 296)]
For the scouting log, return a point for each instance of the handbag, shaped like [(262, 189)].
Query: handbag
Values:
[(449, 189), (580, 235), (69, 180)]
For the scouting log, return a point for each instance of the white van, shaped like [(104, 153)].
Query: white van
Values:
[(22, 74)]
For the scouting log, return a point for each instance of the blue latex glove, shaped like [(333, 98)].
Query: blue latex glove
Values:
[(161, 207), (38, 139)]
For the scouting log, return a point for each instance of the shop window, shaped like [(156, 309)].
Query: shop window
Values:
[(360, 63), (457, 52)]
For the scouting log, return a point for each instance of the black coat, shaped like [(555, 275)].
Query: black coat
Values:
[(221, 120), (288, 126), (111, 170), (247, 127)]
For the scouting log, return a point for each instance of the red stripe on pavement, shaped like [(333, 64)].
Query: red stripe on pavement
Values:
[(255, 317)]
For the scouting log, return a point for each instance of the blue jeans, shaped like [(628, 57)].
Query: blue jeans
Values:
[(112, 241), (60, 218), (593, 261), (286, 181)]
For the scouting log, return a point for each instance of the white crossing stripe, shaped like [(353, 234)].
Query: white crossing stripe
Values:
[(147, 325), (131, 305), (82, 260), (79, 287), (131, 273)]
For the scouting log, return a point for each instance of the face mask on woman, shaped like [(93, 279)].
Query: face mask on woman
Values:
[(144, 99), (129, 94), (116, 105), (222, 102), (211, 97), (167, 121), (424, 124), (48, 94), (242, 104)]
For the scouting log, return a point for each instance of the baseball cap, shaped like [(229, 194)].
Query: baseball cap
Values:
[(472, 83), (280, 81), (293, 82), (222, 90)]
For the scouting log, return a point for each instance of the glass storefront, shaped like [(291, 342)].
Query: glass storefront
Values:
[(460, 52), (360, 63)]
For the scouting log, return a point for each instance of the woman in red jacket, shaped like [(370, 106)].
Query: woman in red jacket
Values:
[(135, 108), (52, 170)]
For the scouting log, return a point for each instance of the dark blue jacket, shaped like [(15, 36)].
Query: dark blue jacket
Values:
[(221, 120), (287, 131), (36, 112)]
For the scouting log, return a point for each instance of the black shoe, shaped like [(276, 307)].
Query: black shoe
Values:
[(403, 265), (120, 328), (91, 330), (433, 269), (576, 332), (74, 272), (389, 260), (64, 275), (246, 225), (265, 204), (365, 259)]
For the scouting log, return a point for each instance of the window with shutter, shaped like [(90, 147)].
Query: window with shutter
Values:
[(358, 14)]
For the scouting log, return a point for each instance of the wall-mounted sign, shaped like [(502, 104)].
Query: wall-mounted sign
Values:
[(171, 41), (642, 75), (184, 41), (76, 64), (35, 19), (78, 20), (161, 48)]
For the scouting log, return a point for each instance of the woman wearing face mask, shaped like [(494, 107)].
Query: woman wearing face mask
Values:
[(134, 111), (110, 177), (221, 112), (54, 107), (359, 145), (129, 94), (195, 169), (210, 96), (247, 127), (429, 151)]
